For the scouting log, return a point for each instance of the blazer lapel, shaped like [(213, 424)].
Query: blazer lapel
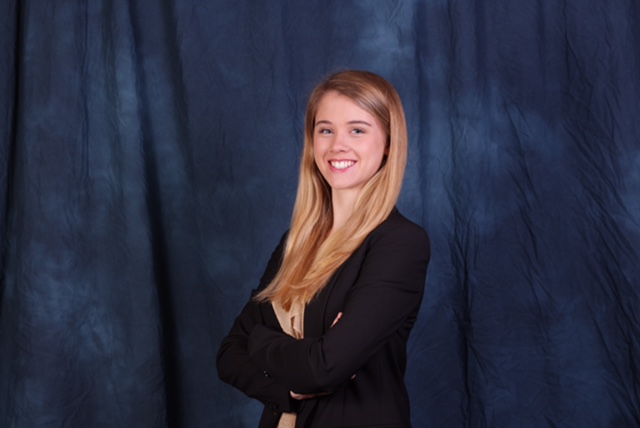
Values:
[(323, 309), (314, 313)]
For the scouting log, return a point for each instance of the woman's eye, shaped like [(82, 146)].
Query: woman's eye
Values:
[(358, 131), (324, 131)]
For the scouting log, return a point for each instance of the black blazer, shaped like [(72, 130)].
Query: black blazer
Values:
[(379, 290)]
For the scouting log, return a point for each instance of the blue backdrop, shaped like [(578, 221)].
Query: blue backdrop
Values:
[(148, 163)]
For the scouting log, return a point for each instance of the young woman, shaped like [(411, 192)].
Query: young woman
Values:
[(322, 343)]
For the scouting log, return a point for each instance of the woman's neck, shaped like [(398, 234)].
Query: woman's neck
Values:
[(343, 205)]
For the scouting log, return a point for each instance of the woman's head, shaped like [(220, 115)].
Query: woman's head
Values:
[(312, 253), (378, 98)]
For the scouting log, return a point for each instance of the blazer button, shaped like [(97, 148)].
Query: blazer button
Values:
[(273, 406), (264, 372)]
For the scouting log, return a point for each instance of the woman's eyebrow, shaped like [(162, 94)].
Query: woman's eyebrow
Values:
[(359, 122), (351, 122), (322, 122)]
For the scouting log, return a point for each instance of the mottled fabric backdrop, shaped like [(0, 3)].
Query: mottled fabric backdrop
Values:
[(148, 162)]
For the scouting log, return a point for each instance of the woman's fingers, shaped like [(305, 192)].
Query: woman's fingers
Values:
[(306, 396), (337, 319)]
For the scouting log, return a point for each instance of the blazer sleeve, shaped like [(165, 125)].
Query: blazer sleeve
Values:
[(386, 295), (234, 364)]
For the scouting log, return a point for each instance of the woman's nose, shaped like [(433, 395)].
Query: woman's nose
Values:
[(339, 143)]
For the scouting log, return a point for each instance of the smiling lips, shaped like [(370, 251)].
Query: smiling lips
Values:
[(341, 165)]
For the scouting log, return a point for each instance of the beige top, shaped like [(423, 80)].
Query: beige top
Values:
[(292, 323)]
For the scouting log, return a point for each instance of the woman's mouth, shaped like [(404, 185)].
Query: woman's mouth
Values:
[(340, 165)]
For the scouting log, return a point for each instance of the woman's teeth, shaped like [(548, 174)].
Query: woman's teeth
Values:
[(342, 164)]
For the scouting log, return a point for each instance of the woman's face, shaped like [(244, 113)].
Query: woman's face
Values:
[(348, 143)]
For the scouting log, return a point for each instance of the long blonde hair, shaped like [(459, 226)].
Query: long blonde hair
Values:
[(310, 257)]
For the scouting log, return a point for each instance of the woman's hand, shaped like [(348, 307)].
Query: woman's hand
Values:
[(335, 321), (307, 396)]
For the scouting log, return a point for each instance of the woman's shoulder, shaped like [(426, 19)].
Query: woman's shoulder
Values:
[(397, 227), (398, 223)]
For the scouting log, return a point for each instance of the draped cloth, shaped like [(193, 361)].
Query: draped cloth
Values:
[(149, 155)]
